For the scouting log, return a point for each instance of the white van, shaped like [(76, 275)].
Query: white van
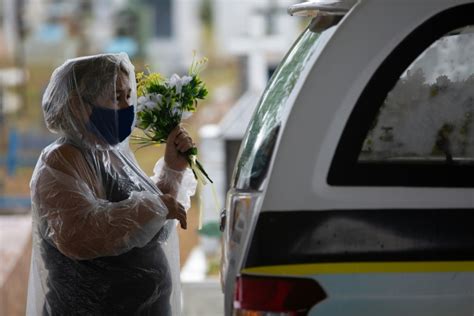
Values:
[(353, 189)]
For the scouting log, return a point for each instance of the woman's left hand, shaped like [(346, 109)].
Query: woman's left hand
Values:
[(178, 142)]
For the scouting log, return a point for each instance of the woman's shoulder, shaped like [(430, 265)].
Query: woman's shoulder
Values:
[(62, 156)]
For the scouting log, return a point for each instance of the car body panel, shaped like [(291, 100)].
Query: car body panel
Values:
[(393, 288), (314, 115), (314, 126)]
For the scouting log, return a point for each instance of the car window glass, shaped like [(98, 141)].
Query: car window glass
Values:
[(428, 116), (258, 143)]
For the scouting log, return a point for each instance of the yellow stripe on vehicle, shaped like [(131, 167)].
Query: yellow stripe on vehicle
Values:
[(363, 267)]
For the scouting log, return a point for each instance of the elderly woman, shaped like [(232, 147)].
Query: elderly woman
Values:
[(105, 240)]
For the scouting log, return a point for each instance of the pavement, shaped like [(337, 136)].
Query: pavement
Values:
[(15, 254), (203, 298), (15, 233), (202, 295)]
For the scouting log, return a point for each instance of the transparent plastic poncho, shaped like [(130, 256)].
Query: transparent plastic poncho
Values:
[(101, 242)]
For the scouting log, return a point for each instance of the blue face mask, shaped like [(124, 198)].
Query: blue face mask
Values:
[(111, 125)]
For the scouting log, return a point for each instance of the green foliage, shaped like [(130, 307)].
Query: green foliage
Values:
[(162, 101), (161, 105)]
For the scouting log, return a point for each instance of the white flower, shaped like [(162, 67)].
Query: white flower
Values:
[(157, 98), (178, 83), (185, 80), (176, 108), (175, 81), (149, 105), (140, 103), (149, 101), (186, 115)]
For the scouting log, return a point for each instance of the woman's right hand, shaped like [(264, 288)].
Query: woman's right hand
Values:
[(175, 210)]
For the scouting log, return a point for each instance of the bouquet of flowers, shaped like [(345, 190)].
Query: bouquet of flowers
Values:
[(162, 104)]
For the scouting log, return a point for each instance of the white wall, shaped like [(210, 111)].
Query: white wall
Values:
[(168, 55), (234, 24)]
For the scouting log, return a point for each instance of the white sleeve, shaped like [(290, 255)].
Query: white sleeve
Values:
[(182, 182)]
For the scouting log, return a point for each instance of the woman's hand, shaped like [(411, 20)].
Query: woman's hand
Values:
[(178, 142), (175, 210)]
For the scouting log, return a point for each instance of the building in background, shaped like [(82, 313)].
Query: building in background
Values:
[(12, 74), (174, 32), (58, 29), (259, 32)]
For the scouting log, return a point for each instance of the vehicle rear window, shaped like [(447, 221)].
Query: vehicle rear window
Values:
[(413, 122), (428, 116)]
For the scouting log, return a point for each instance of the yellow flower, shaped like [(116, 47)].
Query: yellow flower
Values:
[(146, 80), (140, 75), (155, 78)]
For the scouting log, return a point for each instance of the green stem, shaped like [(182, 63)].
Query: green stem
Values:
[(193, 152), (203, 171)]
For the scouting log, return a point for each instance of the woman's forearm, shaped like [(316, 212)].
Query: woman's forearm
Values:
[(169, 181)]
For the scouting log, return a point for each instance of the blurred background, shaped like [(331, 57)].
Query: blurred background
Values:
[(244, 41)]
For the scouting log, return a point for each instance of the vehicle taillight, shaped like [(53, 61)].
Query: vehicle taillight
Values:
[(240, 209), (285, 296)]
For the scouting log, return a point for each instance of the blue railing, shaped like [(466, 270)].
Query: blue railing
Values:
[(15, 202), (22, 150)]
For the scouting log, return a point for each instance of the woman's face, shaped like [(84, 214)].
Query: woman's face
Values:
[(122, 97)]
